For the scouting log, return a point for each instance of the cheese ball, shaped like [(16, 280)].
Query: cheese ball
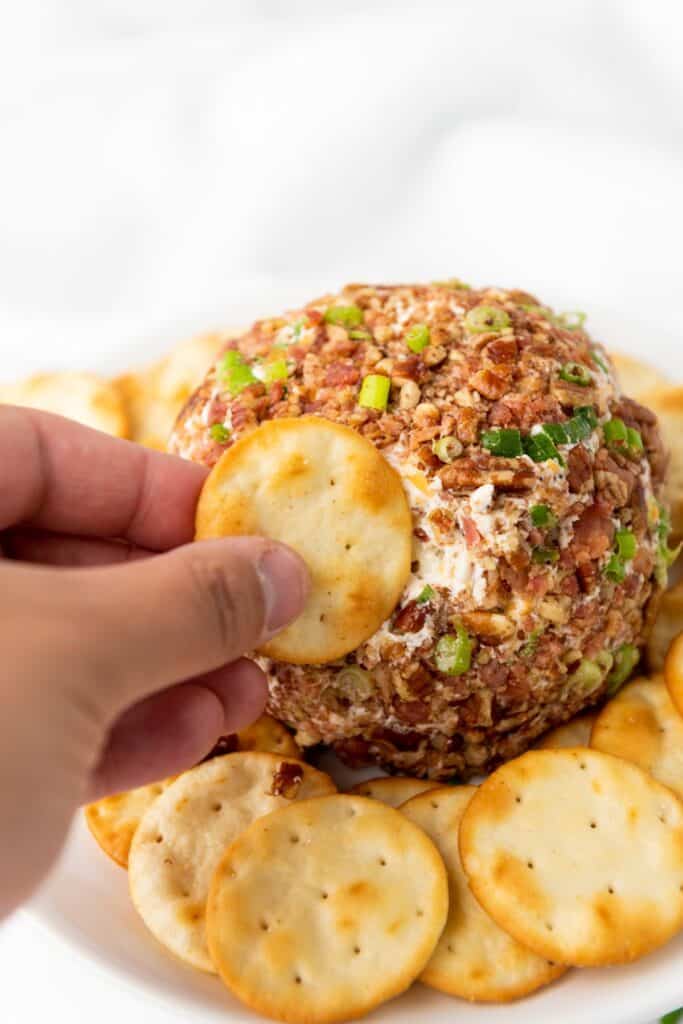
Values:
[(539, 537)]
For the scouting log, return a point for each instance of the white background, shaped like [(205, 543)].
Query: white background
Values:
[(169, 165)]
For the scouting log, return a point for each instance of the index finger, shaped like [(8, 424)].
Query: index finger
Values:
[(58, 475)]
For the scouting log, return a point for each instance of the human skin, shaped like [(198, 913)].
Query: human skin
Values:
[(121, 641)]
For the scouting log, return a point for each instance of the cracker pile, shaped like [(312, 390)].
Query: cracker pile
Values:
[(316, 906)]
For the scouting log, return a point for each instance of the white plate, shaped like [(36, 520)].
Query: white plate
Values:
[(86, 901)]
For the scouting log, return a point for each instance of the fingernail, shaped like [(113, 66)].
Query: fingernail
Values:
[(285, 583)]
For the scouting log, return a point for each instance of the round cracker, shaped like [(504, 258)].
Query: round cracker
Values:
[(578, 855), (184, 833), (325, 910), (83, 397), (575, 733), (332, 496), (113, 820), (673, 672), (636, 377), (642, 725), (667, 626), (393, 790), (474, 959)]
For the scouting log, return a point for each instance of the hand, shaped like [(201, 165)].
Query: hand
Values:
[(118, 664)]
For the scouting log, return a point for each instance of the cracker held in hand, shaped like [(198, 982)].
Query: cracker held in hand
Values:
[(183, 835), (333, 497), (113, 820), (393, 790), (673, 672), (475, 959), (575, 733), (324, 910), (642, 725), (578, 855)]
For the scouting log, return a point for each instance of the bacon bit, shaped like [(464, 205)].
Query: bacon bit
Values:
[(427, 456), (410, 619), (407, 369), (593, 533), (539, 584), (287, 778), (276, 393), (341, 373), (469, 529), (442, 521), (488, 384), (411, 711), (501, 350), (420, 533)]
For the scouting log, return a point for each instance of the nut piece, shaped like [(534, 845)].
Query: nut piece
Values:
[(410, 395)]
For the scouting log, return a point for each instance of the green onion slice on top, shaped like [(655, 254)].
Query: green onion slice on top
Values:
[(344, 316), (447, 449), (485, 319), (418, 338), (426, 594), (502, 441), (540, 447), (453, 652), (599, 361), (374, 392), (219, 433), (626, 658), (545, 556), (626, 544), (543, 517), (571, 321), (576, 373)]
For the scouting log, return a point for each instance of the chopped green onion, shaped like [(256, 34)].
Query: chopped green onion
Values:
[(616, 433), (298, 326), (626, 544), (588, 414), (541, 515), (578, 428), (543, 311), (482, 319), (588, 676), (355, 680), (540, 447), (220, 433), (599, 361), (418, 337), (453, 282), (576, 373), (360, 334), (447, 448), (634, 440), (229, 361), (557, 432), (240, 377), (605, 660), (674, 1017), (573, 321), (626, 658), (545, 556), (344, 316), (529, 648), (502, 441), (426, 594), (615, 569), (453, 653), (374, 392), (277, 370)]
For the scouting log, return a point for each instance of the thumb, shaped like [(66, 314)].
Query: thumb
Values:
[(176, 616)]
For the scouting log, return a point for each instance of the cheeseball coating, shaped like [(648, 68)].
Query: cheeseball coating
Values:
[(539, 539)]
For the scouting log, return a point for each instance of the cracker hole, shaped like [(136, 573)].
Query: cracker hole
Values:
[(610, 890), (352, 812), (322, 617), (216, 808), (662, 818), (168, 860), (264, 926), (324, 895), (530, 865), (382, 862), (593, 824), (347, 547), (159, 839), (518, 799), (450, 949), (294, 839), (549, 926), (435, 805), (297, 979), (356, 950), (420, 913), (332, 483), (582, 766)]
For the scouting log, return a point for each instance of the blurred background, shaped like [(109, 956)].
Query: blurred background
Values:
[(174, 165), (169, 165)]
